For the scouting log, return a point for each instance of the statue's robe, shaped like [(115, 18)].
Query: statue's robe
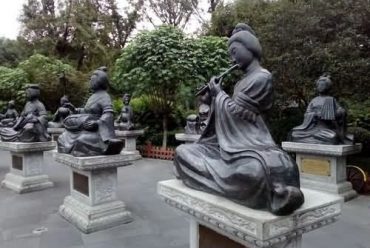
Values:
[(30, 127), (236, 156), (80, 142), (321, 124)]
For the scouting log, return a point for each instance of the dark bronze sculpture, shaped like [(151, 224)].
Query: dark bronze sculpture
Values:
[(90, 131), (32, 124), (236, 156), (324, 121), (10, 117), (63, 111), (126, 118), (192, 124)]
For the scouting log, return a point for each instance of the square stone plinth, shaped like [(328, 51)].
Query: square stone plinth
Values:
[(27, 166), (92, 204), (129, 137), (323, 167), (187, 138), (233, 225)]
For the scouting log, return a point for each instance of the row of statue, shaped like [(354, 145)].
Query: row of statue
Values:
[(89, 131), (235, 157)]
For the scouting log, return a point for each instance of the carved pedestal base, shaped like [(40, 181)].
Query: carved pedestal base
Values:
[(216, 222), (130, 140), (187, 138), (92, 204), (27, 166), (323, 167)]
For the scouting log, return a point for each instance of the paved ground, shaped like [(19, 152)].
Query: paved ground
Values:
[(31, 220)]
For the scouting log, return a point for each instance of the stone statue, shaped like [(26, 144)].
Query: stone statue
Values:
[(126, 118), (192, 124), (63, 111), (32, 124), (204, 110), (90, 130), (324, 121), (10, 117), (236, 156)]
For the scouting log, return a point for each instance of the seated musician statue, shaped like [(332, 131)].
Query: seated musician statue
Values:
[(324, 121), (10, 117), (63, 111), (90, 130), (125, 120), (31, 126), (236, 156)]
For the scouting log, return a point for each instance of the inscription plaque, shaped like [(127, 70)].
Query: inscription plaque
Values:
[(211, 239), (81, 183), (17, 162), (315, 166)]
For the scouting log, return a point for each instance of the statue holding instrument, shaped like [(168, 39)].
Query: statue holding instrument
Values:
[(90, 130), (236, 156), (10, 117), (31, 126), (324, 121)]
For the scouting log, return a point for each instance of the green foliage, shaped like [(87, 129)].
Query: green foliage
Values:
[(303, 39), (165, 66), (12, 82), (359, 114), (46, 72), (12, 52), (87, 34)]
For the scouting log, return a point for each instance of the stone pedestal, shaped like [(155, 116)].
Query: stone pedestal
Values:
[(92, 204), (55, 132), (187, 138), (323, 167), (27, 166), (216, 222), (130, 139)]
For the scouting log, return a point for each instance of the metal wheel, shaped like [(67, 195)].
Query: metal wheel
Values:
[(357, 177)]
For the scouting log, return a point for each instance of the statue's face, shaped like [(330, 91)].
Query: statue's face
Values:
[(11, 104), (126, 99), (94, 82), (322, 86), (32, 94), (240, 55)]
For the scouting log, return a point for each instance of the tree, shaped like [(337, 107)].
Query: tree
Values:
[(176, 13), (12, 52), (166, 66), (12, 82), (46, 72), (86, 33)]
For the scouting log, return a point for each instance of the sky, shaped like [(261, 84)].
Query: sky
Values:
[(11, 9), (9, 13)]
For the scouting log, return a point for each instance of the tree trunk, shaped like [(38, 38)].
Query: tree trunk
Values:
[(165, 131)]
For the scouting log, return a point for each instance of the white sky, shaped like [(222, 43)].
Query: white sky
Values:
[(9, 13), (11, 9)]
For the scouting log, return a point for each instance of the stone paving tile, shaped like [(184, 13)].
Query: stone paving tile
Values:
[(155, 224)]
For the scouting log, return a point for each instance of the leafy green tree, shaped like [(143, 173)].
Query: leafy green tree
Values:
[(12, 82), (166, 66), (47, 71), (86, 33), (12, 52)]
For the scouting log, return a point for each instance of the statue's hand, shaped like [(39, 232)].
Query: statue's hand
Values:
[(214, 86), (91, 125)]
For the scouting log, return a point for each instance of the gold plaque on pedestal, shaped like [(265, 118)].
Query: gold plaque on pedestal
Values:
[(315, 166)]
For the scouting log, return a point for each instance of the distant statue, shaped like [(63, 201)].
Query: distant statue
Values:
[(32, 124), (204, 111), (236, 156), (90, 130), (10, 117), (324, 121), (192, 124), (63, 111), (125, 120)]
